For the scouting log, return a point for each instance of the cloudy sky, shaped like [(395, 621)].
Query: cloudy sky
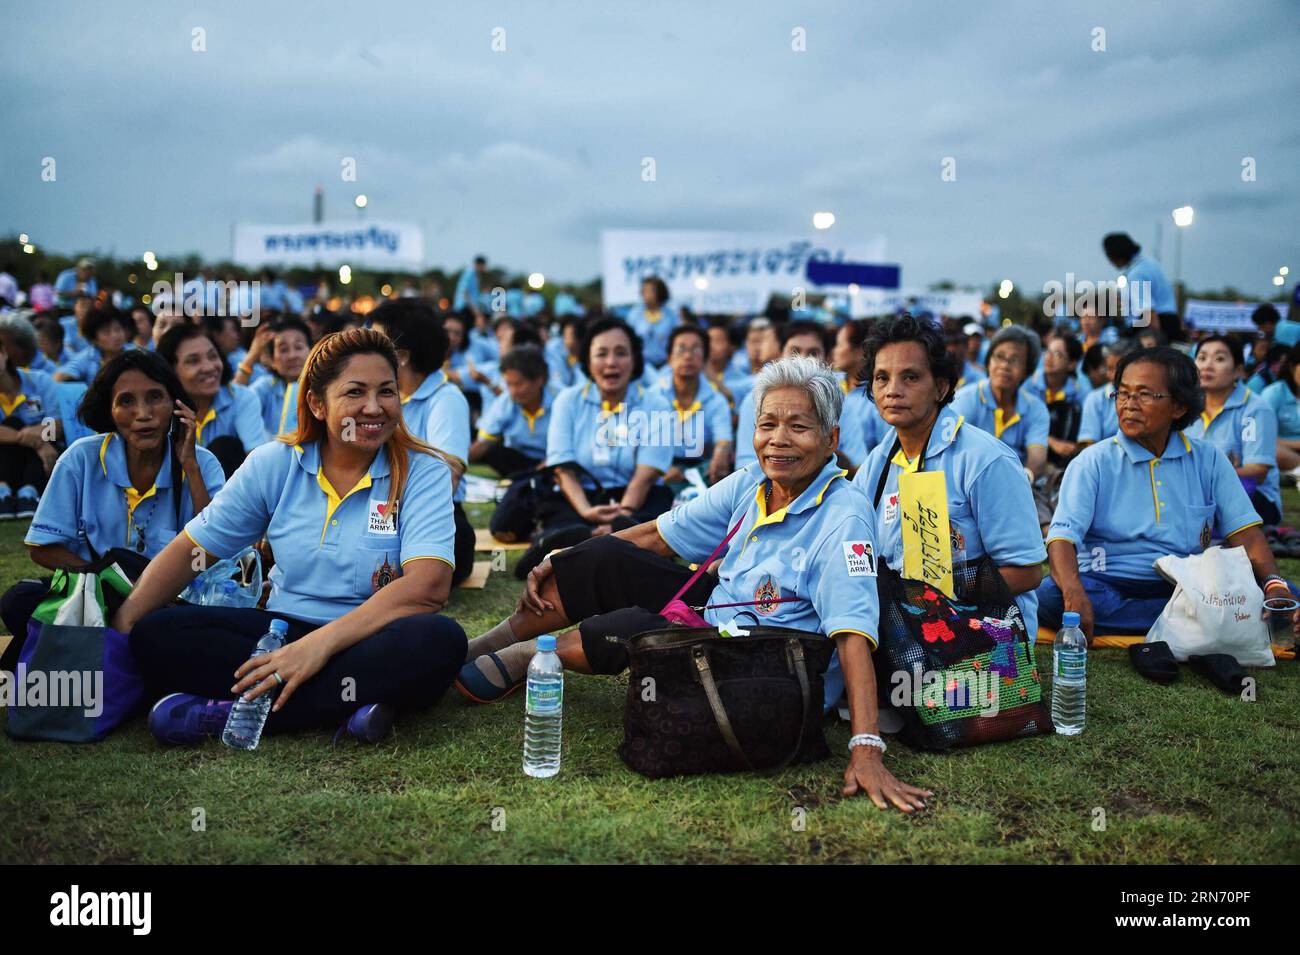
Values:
[(528, 153)]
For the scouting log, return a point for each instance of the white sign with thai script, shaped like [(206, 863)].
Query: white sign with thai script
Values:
[(372, 245), (722, 271)]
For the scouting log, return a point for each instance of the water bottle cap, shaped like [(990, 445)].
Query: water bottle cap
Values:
[(1069, 619), (546, 644), (280, 627)]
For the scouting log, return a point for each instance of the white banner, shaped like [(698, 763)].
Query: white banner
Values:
[(720, 271), (369, 245), (870, 302), (1223, 316)]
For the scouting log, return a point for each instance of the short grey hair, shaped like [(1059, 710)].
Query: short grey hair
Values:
[(1019, 336), (18, 325), (814, 377)]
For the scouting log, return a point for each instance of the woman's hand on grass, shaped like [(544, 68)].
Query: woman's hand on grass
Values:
[(867, 774)]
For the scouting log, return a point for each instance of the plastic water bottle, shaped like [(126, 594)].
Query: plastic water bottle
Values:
[(543, 710), (223, 593), (244, 725), (1069, 676)]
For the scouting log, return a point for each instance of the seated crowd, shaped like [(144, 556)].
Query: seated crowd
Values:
[(339, 444)]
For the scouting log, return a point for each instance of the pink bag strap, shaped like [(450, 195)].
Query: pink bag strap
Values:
[(705, 565)]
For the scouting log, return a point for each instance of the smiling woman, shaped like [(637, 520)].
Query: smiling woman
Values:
[(797, 550), (358, 513), (229, 416)]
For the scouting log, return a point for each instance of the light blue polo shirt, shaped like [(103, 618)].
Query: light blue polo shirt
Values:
[(1122, 507), (510, 424), (42, 362), (438, 414), (820, 548), (72, 340), (1036, 385), (1246, 429), (278, 401), (235, 411), (467, 290), (971, 373), (333, 549), (37, 398), (637, 432), (86, 503), (860, 425), (739, 383), (745, 418), (84, 365), (483, 347), (1287, 408), (1027, 427), (701, 425), (1100, 419), (1159, 297), (990, 503), (564, 368), (65, 284), (654, 331)]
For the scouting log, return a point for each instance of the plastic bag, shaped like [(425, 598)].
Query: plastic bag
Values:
[(245, 569), (1216, 608)]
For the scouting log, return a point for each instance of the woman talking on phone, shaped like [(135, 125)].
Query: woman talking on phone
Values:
[(130, 487)]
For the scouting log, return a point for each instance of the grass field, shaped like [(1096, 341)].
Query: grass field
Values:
[(1179, 774)]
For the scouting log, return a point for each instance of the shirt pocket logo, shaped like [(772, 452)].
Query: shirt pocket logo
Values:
[(859, 559)]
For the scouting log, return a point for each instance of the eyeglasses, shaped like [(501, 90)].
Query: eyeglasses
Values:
[(1013, 362), (685, 350), (1144, 399)]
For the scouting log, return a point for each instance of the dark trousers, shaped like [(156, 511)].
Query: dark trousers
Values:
[(509, 461), (1266, 509), (558, 512), (409, 664), (19, 465), (16, 608), (464, 544), (614, 590)]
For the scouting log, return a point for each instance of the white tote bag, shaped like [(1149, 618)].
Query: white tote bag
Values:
[(1216, 608)]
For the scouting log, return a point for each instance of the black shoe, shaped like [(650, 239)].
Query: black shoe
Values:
[(8, 507), (1220, 669), (25, 507), (1155, 661)]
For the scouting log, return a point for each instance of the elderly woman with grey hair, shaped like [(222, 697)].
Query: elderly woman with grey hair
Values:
[(797, 551), (1000, 406), (30, 429)]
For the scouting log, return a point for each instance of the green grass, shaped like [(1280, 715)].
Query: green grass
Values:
[(1184, 774)]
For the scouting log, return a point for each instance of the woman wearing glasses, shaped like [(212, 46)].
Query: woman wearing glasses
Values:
[(1000, 406), (1146, 492)]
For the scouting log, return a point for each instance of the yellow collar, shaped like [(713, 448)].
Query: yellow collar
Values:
[(1000, 424), (532, 418), (9, 406), (208, 418), (332, 498)]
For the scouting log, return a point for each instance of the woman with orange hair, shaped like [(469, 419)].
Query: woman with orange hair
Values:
[(359, 515)]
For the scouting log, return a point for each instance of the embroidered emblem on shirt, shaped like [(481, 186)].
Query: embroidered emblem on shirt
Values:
[(1206, 536), (765, 594), (385, 573)]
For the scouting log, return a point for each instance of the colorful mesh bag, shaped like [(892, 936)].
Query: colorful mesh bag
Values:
[(965, 667)]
